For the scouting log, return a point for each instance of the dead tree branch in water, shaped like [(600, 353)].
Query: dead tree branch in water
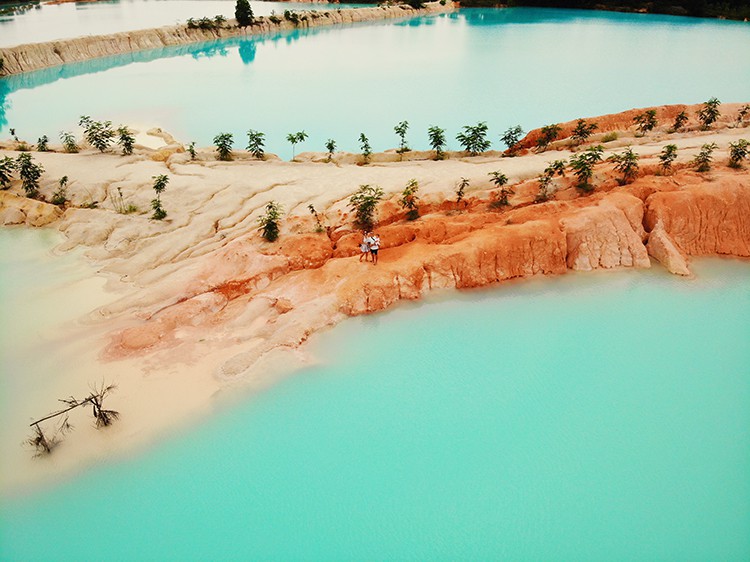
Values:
[(45, 443)]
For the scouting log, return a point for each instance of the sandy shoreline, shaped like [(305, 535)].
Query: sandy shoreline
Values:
[(198, 304)]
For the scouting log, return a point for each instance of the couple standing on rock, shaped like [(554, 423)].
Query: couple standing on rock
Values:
[(369, 247)]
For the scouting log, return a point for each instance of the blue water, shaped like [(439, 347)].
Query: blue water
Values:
[(599, 416), (506, 67)]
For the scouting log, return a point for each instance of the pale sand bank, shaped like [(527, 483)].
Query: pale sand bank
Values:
[(183, 309)]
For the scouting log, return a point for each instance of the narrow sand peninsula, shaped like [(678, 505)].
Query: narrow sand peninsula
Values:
[(36, 56), (199, 303)]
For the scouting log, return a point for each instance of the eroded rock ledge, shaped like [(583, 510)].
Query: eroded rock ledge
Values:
[(36, 56)]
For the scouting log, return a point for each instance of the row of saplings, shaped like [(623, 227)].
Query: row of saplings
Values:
[(364, 202), (101, 135), (473, 138)]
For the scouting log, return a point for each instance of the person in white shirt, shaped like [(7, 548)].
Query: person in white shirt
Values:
[(374, 247)]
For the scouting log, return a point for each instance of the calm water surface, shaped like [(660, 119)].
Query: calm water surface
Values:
[(599, 416), (506, 67)]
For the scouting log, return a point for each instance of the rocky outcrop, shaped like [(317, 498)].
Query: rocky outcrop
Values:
[(706, 218), (603, 237), (21, 210), (29, 57), (483, 257), (663, 249)]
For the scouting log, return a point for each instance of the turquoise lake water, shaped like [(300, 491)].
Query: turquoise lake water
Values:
[(506, 67), (601, 416)]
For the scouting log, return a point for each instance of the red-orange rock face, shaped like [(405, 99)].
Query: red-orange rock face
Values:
[(688, 216), (705, 219)]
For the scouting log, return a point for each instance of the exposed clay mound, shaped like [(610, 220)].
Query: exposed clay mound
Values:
[(623, 121)]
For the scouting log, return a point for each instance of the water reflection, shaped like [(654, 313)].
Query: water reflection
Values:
[(210, 50), (4, 102), (535, 16), (248, 50)]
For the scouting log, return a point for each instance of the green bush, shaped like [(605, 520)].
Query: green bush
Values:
[(709, 113), (318, 225), (268, 224), (582, 131), (364, 204), (98, 134), (125, 139), (461, 190), (160, 184), (223, 143), (474, 138), (331, 148), (626, 163), (667, 156), (437, 141), (703, 159), (741, 114), (645, 122), (511, 138), (583, 166), (7, 167), (30, 172), (60, 196), (500, 199), (364, 144), (400, 129), (545, 188), (68, 142), (256, 143), (410, 200), (737, 153), (548, 134), (42, 144), (292, 16), (679, 122), (207, 23), (294, 138)]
